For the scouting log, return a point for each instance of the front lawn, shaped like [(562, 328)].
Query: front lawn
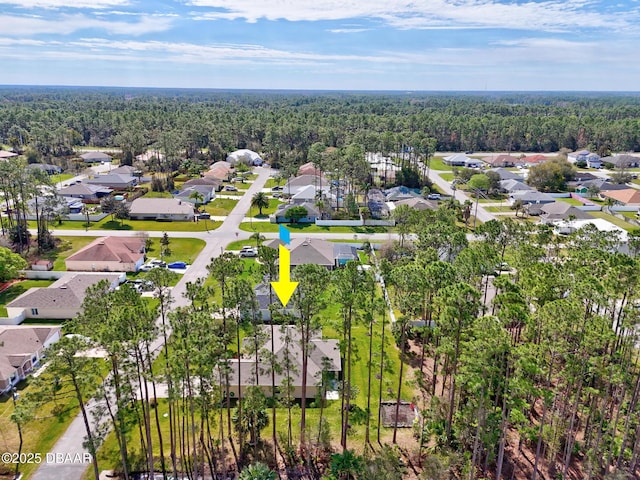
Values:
[(182, 249), (570, 201), (310, 228), (61, 177), (449, 177), (615, 220), (220, 206), (273, 206), (154, 226), (17, 289), (151, 194), (438, 164)]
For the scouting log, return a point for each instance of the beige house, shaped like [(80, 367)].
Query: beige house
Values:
[(167, 209), (21, 350), (62, 299), (323, 355), (109, 254)]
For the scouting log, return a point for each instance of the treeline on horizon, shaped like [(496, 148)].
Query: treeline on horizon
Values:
[(284, 124)]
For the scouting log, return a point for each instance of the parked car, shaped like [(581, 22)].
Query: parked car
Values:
[(203, 216), (277, 188), (157, 263), (248, 252), (276, 195), (433, 196), (230, 188), (181, 265), (145, 268)]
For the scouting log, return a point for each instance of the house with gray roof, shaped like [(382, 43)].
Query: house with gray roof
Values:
[(85, 192), (21, 350), (163, 209), (623, 160), (207, 193), (461, 160), (313, 212), (94, 157), (323, 355), (553, 212), (530, 196), (62, 299), (316, 251), (417, 203), (213, 182), (116, 181), (401, 192), (511, 186), (506, 174)]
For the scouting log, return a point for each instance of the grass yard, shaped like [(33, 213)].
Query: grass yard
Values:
[(220, 206), (449, 177), (272, 183), (61, 177), (40, 434), (273, 206), (238, 244), (438, 164), (151, 194), (182, 249), (570, 201), (66, 247), (18, 289), (311, 228), (499, 209), (154, 226)]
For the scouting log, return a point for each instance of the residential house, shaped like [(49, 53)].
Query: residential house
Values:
[(513, 185), (417, 203), (265, 296), (376, 203), (401, 192), (506, 174), (148, 155), (116, 181), (46, 167), (620, 235), (601, 184), (294, 185), (246, 156), (502, 161), (215, 183), (62, 299), (313, 212), (552, 212), (220, 170), (533, 160), (629, 196), (309, 168), (125, 170), (624, 160), (592, 160), (85, 192), (109, 254), (94, 157), (207, 193), (323, 355), (21, 350), (581, 176), (529, 196), (316, 251), (163, 209), (461, 160)]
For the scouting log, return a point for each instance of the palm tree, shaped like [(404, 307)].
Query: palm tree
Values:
[(257, 237), (197, 198), (261, 201)]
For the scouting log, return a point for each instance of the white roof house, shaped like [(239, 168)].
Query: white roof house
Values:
[(244, 155)]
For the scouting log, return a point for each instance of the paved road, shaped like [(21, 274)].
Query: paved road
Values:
[(70, 444), (461, 196)]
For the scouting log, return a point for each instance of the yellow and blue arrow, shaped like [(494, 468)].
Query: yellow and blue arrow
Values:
[(284, 287)]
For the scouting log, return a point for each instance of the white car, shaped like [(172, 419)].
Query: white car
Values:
[(249, 252)]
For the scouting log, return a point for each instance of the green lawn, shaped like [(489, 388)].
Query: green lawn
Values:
[(272, 183), (570, 201), (40, 434), (242, 185), (61, 177), (66, 247), (499, 209), (311, 228), (182, 249), (273, 206), (438, 164), (238, 244), (221, 206), (449, 177), (18, 289), (151, 194), (152, 225)]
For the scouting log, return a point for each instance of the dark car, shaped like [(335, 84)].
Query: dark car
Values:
[(177, 265)]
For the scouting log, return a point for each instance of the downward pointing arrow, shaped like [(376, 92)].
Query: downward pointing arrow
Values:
[(284, 287)]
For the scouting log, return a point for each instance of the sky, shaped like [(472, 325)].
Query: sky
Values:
[(445, 45)]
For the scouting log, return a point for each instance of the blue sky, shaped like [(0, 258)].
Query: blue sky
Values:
[(324, 44)]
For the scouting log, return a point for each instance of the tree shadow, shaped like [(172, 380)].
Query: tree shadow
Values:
[(115, 225)]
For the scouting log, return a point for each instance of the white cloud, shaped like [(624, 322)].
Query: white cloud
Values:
[(97, 4), (349, 30), (66, 24), (549, 15)]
